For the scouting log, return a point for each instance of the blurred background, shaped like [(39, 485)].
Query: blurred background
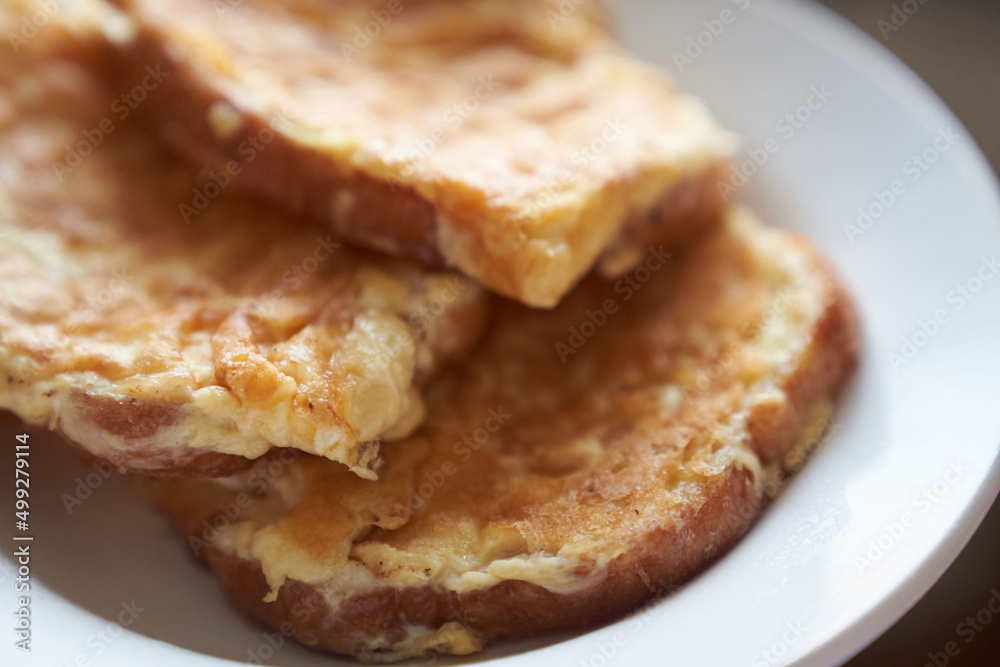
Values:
[(953, 45)]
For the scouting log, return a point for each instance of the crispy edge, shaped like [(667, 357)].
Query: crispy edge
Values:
[(302, 179), (152, 461), (170, 462), (517, 609)]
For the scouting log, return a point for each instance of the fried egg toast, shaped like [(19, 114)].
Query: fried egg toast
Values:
[(581, 462), (173, 348), (511, 139)]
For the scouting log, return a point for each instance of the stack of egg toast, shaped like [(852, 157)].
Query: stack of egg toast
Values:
[(461, 268)]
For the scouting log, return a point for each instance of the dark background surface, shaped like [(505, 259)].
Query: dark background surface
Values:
[(953, 45)]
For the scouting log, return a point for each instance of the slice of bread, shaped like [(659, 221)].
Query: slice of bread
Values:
[(511, 139), (169, 347), (580, 463)]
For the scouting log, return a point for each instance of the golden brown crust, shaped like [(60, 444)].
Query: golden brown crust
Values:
[(169, 326), (691, 208), (525, 231), (166, 462), (621, 473), (392, 218), (511, 609)]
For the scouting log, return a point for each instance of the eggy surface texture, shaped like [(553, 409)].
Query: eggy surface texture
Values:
[(174, 347), (511, 139), (579, 463)]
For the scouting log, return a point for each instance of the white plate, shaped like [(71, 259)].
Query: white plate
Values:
[(795, 589)]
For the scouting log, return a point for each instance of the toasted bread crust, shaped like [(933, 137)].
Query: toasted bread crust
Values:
[(152, 461), (461, 225), (392, 218), (827, 364), (512, 609), (165, 462), (728, 440)]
